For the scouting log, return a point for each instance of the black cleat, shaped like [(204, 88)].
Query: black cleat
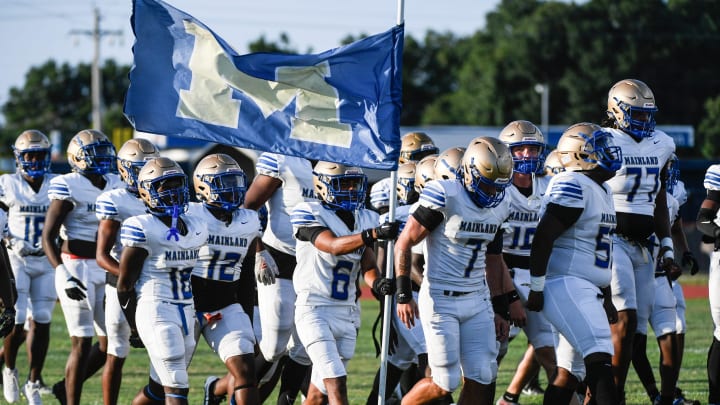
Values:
[(58, 389)]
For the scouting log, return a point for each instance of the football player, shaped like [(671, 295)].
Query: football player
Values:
[(112, 208), (571, 258), (414, 147), (665, 319), (159, 252), (410, 346), (461, 223), (527, 145), (707, 223), (234, 241), (641, 203), (281, 183), (7, 291), (24, 197), (79, 280), (552, 164), (334, 245)]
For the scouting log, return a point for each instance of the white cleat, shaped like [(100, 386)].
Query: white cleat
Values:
[(11, 390)]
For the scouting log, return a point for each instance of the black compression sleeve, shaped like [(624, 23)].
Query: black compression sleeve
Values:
[(309, 234), (706, 222), (567, 215), (427, 217)]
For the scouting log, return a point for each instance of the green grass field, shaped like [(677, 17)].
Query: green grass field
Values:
[(693, 379)]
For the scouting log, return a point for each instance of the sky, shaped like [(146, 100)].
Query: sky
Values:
[(35, 31)]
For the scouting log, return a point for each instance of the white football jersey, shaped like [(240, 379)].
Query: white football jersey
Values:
[(167, 269), (524, 217), (712, 183), (380, 193), (585, 249), (680, 193), (637, 183), (81, 222), (221, 258), (118, 205), (297, 178), (4, 223), (26, 208), (456, 248), (712, 178), (321, 278)]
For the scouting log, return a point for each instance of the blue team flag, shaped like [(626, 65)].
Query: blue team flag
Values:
[(342, 105)]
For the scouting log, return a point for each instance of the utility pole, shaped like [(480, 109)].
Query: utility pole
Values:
[(95, 82), (544, 90)]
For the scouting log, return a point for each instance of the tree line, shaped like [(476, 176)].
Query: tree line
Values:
[(488, 78)]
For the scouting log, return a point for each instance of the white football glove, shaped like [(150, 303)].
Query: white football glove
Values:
[(24, 248), (265, 268)]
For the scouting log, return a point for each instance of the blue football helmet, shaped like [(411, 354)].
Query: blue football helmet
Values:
[(524, 133), (163, 187), (220, 182), (340, 187), (487, 162), (631, 104), (91, 152), (132, 157), (406, 193), (32, 153), (585, 146)]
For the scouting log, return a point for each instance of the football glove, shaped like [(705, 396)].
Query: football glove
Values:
[(265, 268), (73, 287), (689, 263), (135, 340), (387, 231), (383, 286), (7, 322)]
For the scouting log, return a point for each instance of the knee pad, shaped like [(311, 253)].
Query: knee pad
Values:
[(42, 311)]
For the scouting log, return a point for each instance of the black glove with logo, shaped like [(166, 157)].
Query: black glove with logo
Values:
[(387, 231)]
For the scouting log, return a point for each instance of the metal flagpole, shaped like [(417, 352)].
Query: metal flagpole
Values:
[(389, 262)]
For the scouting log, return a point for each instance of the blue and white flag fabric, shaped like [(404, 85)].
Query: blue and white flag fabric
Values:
[(342, 105)]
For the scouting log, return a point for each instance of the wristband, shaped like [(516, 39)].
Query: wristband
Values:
[(501, 306), (367, 237), (537, 283), (666, 242), (512, 296), (404, 289)]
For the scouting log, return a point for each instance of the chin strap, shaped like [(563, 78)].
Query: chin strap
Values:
[(173, 231)]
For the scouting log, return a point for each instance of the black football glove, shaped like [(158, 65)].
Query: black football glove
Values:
[(135, 340), (7, 322), (75, 289), (387, 231), (383, 286), (689, 263)]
